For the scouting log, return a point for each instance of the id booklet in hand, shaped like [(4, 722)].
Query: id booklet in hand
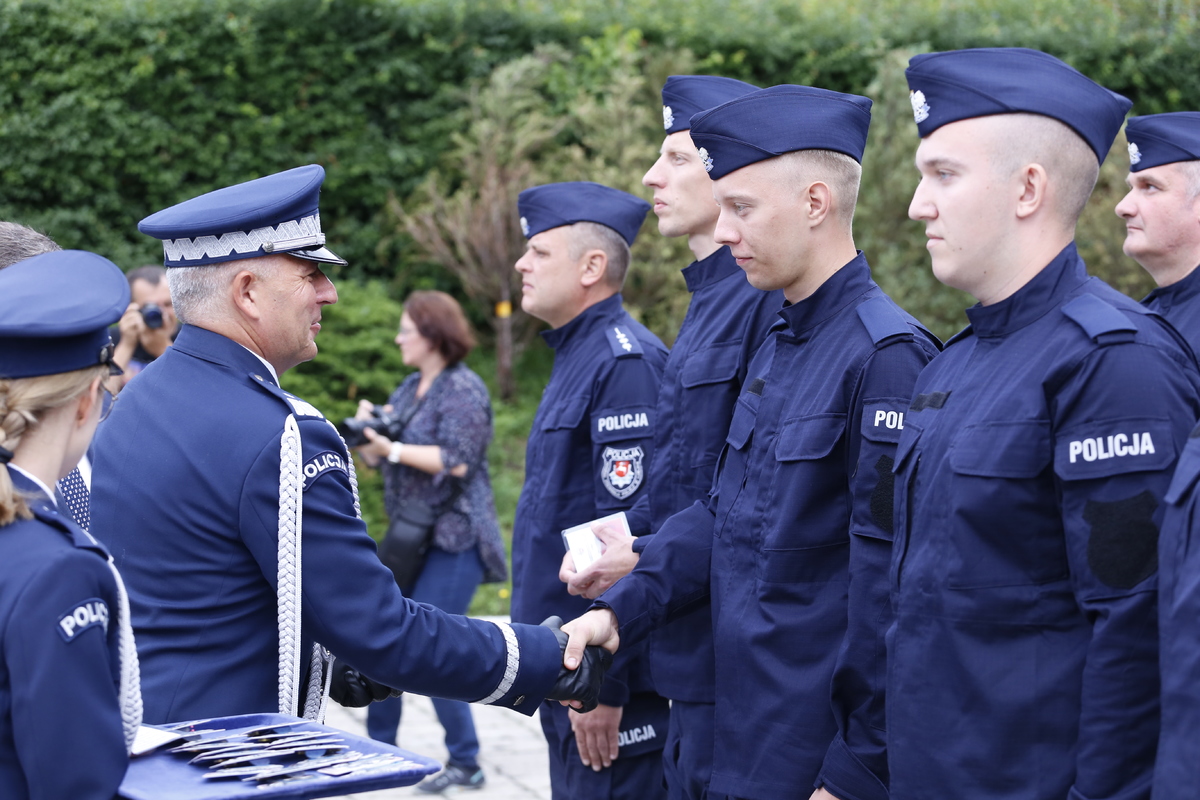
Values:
[(584, 545)]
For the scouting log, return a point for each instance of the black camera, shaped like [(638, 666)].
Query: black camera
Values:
[(382, 422), (152, 315)]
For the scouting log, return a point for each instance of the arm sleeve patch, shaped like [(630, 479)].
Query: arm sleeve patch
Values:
[(88, 614), (1104, 449), (1123, 545), (322, 463), (883, 494)]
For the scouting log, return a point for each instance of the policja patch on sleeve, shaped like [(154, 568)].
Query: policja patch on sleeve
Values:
[(88, 614), (321, 463), (621, 471)]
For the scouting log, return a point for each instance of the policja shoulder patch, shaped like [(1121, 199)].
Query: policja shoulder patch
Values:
[(88, 614), (322, 463)]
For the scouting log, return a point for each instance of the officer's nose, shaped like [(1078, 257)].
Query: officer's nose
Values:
[(654, 175), (1126, 209), (326, 291), (921, 207), (726, 231)]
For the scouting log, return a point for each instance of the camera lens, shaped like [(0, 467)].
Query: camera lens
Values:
[(152, 315)]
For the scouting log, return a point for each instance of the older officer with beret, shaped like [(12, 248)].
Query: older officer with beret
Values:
[(587, 455), (726, 322), (1033, 461), (793, 546), (69, 698), (1162, 214), (231, 504)]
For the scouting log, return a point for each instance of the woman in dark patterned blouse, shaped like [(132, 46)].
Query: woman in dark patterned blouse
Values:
[(441, 459)]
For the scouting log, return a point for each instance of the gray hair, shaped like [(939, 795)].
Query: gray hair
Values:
[(18, 242), (196, 292), (587, 236), (1190, 170)]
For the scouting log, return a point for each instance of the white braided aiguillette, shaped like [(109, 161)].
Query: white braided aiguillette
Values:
[(288, 586), (512, 666)]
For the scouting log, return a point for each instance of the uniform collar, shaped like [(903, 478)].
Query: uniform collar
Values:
[(1059, 278), (588, 320), (707, 271), (1181, 291), (218, 349), (32, 487), (838, 291), (44, 507)]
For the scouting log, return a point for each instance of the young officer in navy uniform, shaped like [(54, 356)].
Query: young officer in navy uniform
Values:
[(1034, 458), (69, 699), (1162, 214), (726, 322), (231, 504), (793, 546), (587, 455)]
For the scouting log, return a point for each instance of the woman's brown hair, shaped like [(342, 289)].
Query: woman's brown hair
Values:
[(440, 319)]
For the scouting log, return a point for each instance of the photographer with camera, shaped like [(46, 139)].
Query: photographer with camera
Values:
[(148, 326), (443, 539)]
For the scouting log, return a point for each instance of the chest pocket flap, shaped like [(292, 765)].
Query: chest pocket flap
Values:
[(742, 424), (1019, 449), (715, 364), (567, 413), (808, 438)]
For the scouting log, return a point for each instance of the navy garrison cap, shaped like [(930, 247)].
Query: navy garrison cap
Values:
[(686, 95), (1160, 139), (553, 205), (55, 309), (275, 214), (771, 122), (964, 84)]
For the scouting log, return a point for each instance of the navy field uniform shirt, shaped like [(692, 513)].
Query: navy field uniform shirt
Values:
[(60, 717), (725, 323), (1180, 304), (186, 493), (1029, 487), (793, 548), (587, 456)]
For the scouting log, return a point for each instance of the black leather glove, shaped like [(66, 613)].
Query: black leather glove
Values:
[(583, 682), (352, 689)]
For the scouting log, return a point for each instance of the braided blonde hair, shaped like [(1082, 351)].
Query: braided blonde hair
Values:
[(23, 401)]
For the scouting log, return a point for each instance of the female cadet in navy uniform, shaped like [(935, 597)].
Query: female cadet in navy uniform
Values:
[(65, 728)]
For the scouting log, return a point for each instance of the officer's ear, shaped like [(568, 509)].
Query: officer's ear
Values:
[(1034, 186), (245, 292), (88, 400), (818, 203), (593, 267)]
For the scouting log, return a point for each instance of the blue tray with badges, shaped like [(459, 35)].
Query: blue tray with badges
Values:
[(268, 756)]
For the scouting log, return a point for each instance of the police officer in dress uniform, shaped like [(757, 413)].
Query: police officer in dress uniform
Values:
[(725, 323), (1033, 461), (1162, 214), (586, 458), (231, 503), (69, 699), (793, 545)]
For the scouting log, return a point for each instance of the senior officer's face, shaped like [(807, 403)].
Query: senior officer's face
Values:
[(682, 190), (964, 202), (1162, 215), (760, 219), (294, 292), (550, 278)]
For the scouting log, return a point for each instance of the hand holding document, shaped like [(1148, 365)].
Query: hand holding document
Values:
[(584, 545)]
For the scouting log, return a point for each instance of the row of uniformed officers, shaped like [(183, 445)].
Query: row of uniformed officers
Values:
[(864, 566)]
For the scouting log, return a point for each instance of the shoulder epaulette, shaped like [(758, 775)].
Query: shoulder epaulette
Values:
[(301, 408), (882, 319), (623, 343), (1101, 321)]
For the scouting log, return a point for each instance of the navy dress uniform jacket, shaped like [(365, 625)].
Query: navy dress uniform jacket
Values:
[(793, 548), (726, 322), (60, 717), (1029, 486), (185, 493), (1179, 303)]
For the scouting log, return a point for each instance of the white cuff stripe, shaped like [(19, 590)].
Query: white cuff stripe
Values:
[(511, 668), (290, 235)]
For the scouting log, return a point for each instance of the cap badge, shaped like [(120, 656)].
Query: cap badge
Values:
[(1135, 155), (919, 106), (706, 160), (668, 118), (525, 226)]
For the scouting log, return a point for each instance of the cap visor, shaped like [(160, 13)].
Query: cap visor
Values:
[(322, 254)]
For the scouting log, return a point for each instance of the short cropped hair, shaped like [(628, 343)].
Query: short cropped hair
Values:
[(18, 242), (1069, 161), (841, 173), (441, 321), (196, 291), (151, 274), (587, 236), (1190, 170)]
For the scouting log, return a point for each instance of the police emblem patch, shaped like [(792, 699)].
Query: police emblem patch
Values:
[(1135, 155), (668, 118), (622, 471), (919, 106), (88, 614), (706, 160), (524, 226)]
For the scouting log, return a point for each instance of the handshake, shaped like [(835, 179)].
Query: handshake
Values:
[(580, 686)]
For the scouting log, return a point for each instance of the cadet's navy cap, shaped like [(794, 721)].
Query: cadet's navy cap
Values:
[(778, 120), (55, 309), (1160, 139), (964, 84), (275, 214), (684, 96), (553, 205)]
